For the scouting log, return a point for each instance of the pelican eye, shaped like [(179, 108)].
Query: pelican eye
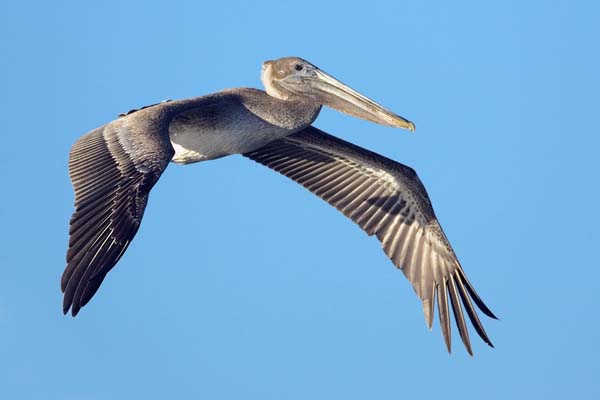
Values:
[(298, 67)]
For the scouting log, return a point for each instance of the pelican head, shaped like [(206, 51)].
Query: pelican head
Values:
[(292, 78)]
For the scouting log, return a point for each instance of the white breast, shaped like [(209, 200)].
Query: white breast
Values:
[(193, 145), (229, 123)]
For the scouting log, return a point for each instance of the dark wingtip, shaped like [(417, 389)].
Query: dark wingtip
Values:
[(484, 309), (448, 346), (65, 306), (64, 279), (480, 304), (75, 307), (458, 313), (70, 305), (487, 340)]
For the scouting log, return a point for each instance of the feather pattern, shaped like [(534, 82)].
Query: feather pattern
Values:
[(385, 199), (112, 169)]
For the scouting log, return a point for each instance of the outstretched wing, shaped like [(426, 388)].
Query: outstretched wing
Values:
[(386, 199), (112, 169)]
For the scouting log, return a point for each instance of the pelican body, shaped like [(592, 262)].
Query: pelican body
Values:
[(114, 167), (234, 121)]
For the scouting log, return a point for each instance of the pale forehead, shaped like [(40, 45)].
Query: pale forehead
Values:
[(286, 61)]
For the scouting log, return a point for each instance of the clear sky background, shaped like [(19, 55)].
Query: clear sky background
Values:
[(243, 285)]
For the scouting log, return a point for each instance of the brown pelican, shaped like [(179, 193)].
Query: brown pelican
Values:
[(114, 167)]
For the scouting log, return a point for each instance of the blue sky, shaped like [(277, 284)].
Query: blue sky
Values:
[(241, 284)]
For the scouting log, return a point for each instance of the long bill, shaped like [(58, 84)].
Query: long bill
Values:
[(335, 94)]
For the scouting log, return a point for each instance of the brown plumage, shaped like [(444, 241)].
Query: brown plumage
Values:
[(114, 167)]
